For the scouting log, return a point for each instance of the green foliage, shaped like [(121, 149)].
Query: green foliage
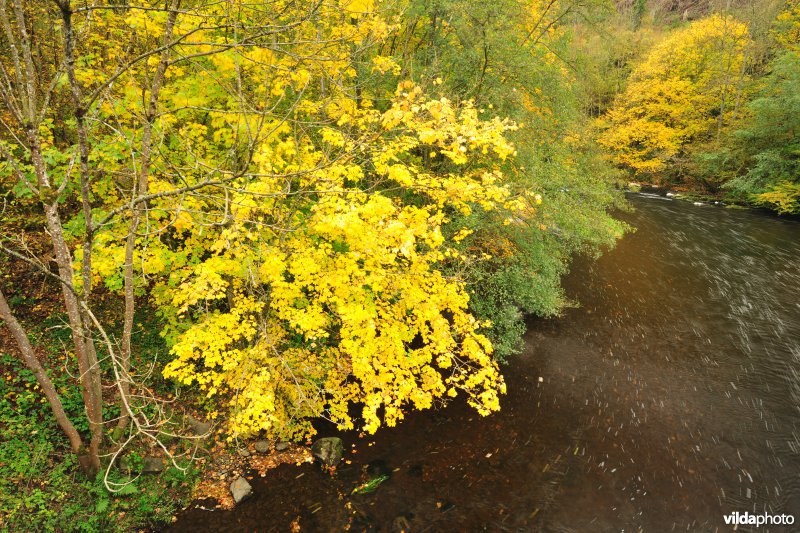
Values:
[(506, 294), (604, 56), (40, 486), (511, 58), (763, 156), (758, 161), (371, 485)]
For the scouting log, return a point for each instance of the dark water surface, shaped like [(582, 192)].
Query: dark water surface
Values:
[(670, 398)]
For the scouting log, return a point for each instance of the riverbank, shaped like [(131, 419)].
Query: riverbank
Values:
[(700, 198), (41, 486), (664, 401), (689, 195)]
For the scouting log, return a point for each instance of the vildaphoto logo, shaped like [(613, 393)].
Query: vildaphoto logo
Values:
[(764, 519)]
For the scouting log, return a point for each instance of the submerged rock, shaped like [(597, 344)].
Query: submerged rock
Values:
[(328, 450), (241, 489), (378, 468), (401, 523)]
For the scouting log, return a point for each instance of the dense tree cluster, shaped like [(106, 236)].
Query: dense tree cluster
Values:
[(713, 104), (329, 204)]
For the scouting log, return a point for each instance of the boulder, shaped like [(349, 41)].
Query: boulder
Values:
[(152, 465), (241, 489), (281, 446), (261, 446), (328, 450), (199, 428)]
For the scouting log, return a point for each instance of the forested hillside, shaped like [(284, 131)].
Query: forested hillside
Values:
[(707, 100)]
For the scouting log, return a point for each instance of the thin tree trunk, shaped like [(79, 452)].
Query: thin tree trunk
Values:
[(83, 147), (139, 209), (740, 83), (87, 360), (85, 182), (29, 113), (29, 358), (48, 195)]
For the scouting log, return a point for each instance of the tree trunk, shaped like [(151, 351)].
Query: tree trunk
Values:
[(140, 188), (26, 89), (83, 147), (29, 358), (87, 358)]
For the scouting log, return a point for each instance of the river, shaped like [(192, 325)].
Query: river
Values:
[(669, 398)]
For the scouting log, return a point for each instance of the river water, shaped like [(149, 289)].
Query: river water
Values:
[(669, 398)]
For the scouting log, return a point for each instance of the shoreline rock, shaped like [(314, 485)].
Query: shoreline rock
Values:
[(240, 490), (329, 451)]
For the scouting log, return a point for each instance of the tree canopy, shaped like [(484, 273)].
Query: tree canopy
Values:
[(681, 93), (337, 209)]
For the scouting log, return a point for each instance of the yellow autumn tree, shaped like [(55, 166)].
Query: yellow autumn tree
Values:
[(684, 91), (291, 223), (787, 27), (349, 306)]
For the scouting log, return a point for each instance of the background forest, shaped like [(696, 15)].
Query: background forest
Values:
[(703, 96), (263, 214)]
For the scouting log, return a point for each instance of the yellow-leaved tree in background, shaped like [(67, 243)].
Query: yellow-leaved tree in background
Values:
[(685, 91)]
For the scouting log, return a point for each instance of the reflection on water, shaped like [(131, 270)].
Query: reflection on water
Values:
[(670, 398)]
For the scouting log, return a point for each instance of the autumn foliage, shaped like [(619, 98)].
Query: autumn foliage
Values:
[(293, 206), (681, 93), (349, 305)]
